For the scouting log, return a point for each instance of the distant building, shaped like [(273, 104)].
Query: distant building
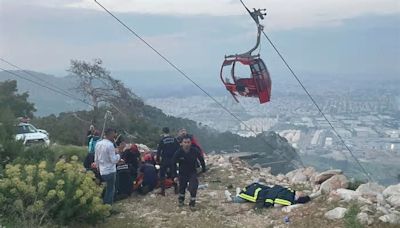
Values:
[(328, 141), (365, 132), (393, 133)]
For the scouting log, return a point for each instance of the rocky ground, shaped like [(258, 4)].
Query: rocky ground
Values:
[(334, 205)]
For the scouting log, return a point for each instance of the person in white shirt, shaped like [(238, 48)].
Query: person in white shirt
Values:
[(106, 158)]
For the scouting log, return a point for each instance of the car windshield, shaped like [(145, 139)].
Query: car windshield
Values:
[(23, 129)]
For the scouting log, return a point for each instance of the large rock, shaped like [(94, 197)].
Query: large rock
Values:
[(346, 194), (394, 201), (337, 213), (299, 178), (364, 219), (390, 218), (291, 174), (380, 200), (391, 190), (382, 210), (333, 183), (320, 178), (310, 172), (369, 209), (370, 189), (392, 195), (256, 167), (280, 177)]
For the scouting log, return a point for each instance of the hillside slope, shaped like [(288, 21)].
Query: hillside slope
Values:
[(228, 173)]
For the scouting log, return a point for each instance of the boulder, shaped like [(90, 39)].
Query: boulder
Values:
[(370, 189), (346, 194), (333, 183), (392, 195), (391, 190), (257, 167), (337, 213), (367, 209), (390, 218), (320, 178), (382, 210), (267, 170), (280, 177), (394, 201), (299, 177), (309, 172), (291, 174), (363, 201), (380, 199), (364, 219), (315, 194)]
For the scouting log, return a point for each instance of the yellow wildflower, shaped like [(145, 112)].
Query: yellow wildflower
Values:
[(42, 165)]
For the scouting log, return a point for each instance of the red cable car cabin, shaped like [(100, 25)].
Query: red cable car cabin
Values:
[(258, 85)]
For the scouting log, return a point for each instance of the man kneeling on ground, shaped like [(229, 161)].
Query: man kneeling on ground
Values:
[(149, 173), (265, 196)]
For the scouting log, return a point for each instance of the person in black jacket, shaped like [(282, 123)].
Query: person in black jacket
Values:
[(149, 173), (131, 156), (167, 147), (187, 157), (266, 196)]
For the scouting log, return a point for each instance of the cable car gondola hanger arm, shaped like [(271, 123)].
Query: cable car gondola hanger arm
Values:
[(256, 15)]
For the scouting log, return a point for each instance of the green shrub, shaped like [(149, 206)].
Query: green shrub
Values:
[(69, 151), (350, 218), (37, 194), (354, 184), (35, 154)]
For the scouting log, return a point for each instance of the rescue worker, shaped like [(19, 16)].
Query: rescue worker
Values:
[(187, 157), (149, 173), (183, 133), (131, 156), (265, 196), (167, 147)]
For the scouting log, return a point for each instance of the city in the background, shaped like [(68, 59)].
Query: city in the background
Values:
[(367, 120)]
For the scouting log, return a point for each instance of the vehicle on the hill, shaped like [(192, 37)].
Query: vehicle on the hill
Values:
[(30, 135)]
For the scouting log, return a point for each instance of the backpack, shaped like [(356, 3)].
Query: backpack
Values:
[(92, 143)]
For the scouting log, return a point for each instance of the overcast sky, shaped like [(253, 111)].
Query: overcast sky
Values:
[(324, 38)]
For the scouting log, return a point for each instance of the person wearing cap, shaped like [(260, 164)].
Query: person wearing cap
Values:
[(106, 157), (166, 149), (149, 172)]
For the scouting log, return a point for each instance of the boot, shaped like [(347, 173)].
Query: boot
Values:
[(192, 203), (181, 200), (162, 186)]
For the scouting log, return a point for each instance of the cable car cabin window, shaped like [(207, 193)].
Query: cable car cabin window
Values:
[(242, 71), (226, 72)]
